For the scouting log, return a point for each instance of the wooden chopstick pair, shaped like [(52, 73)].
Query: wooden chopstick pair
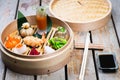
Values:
[(50, 35), (84, 61)]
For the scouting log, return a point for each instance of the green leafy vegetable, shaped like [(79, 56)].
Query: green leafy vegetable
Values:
[(21, 19), (49, 24), (61, 29), (57, 43)]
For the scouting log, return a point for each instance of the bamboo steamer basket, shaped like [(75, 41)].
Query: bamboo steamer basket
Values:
[(82, 15), (39, 64)]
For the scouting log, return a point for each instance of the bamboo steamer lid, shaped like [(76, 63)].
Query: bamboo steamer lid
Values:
[(36, 64), (82, 15)]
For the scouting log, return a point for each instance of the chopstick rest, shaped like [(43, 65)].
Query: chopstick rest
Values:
[(91, 46)]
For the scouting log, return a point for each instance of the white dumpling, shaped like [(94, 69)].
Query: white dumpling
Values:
[(20, 50), (48, 50)]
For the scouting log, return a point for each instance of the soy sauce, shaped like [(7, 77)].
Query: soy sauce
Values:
[(107, 61)]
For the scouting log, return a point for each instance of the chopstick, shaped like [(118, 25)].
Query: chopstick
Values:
[(54, 30), (84, 61), (50, 35), (91, 46)]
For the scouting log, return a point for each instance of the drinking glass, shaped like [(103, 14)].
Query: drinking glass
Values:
[(41, 18)]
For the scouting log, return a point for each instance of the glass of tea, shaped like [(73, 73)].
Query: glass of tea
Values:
[(41, 18)]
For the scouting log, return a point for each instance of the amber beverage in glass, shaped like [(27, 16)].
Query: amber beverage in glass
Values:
[(41, 18)]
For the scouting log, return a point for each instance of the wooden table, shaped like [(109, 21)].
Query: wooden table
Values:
[(108, 35)]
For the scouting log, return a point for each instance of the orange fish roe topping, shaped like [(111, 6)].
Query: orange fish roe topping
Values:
[(19, 45), (11, 42)]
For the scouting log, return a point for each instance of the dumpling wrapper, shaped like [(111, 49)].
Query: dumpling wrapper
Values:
[(49, 50), (20, 50)]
